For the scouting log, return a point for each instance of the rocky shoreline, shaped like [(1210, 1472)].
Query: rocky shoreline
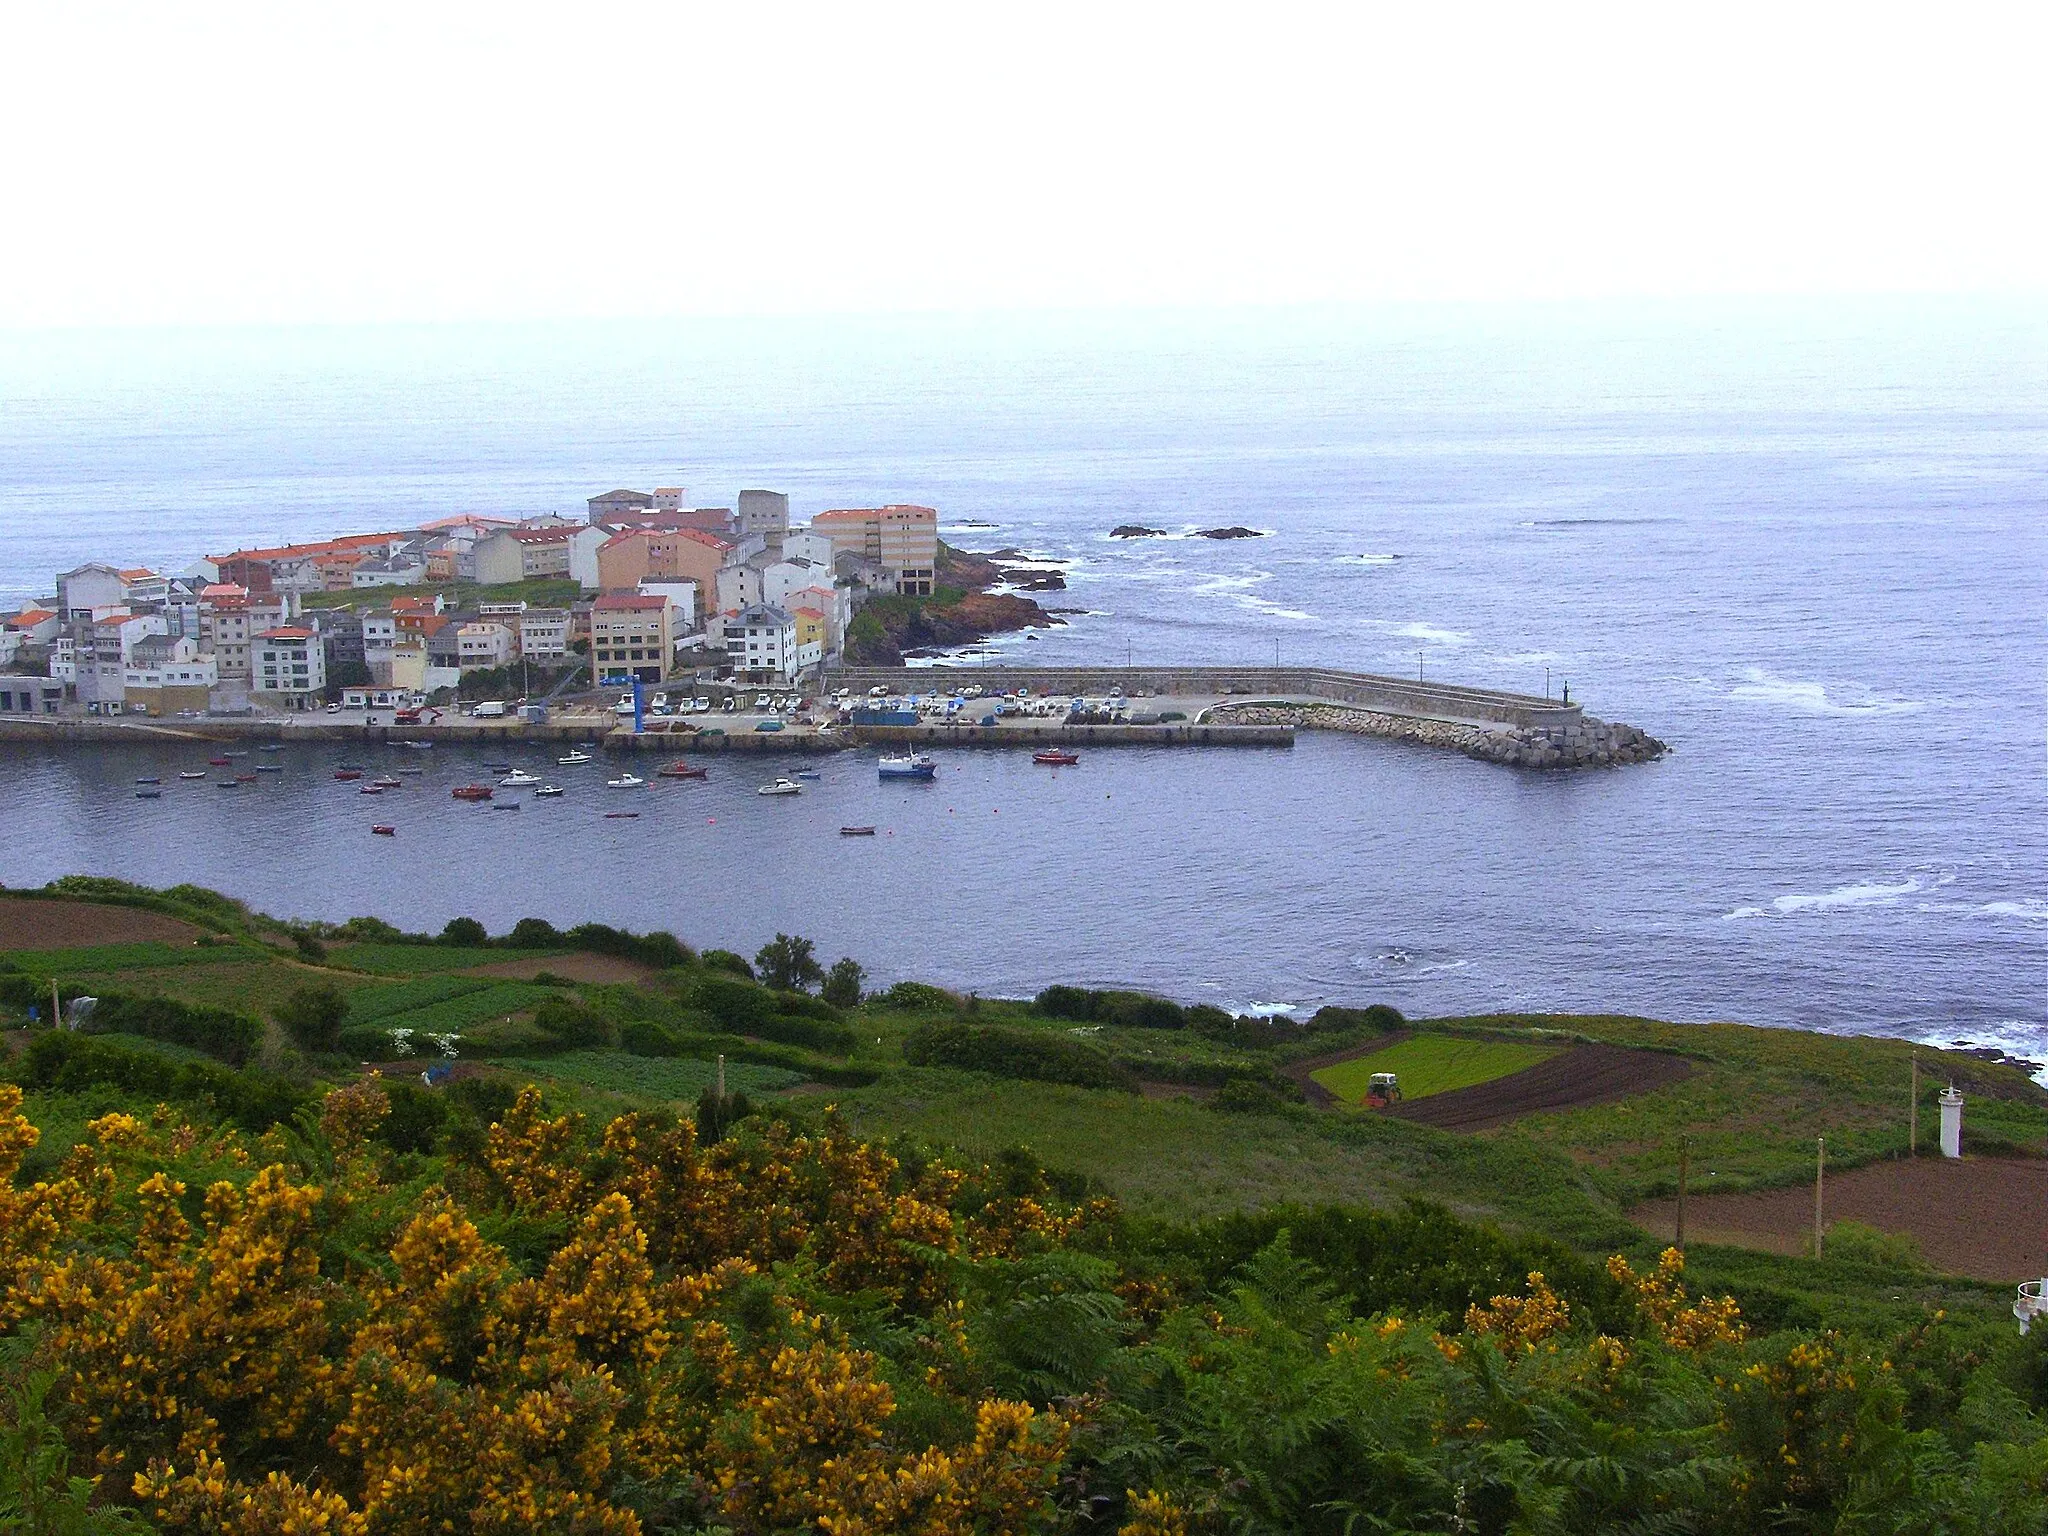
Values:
[(1592, 743)]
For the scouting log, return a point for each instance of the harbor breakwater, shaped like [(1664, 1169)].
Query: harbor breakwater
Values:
[(1586, 743)]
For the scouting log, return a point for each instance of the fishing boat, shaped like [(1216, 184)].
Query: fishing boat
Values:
[(217, 762), (149, 794), (386, 781), (270, 767), (497, 767), (418, 746), (229, 784), (577, 756), (245, 778), (236, 754), (782, 786), (195, 774), (856, 831), (506, 805), (914, 765), (371, 789), (547, 791), (384, 831), (807, 773), (1056, 757), (621, 815), (472, 792), (270, 746), (348, 773), (149, 781), (408, 768), (625, 781), (519, 779), (679, 770)]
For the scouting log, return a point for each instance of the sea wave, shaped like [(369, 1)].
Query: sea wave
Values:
[(1432, 634), (1761, 686), (2029, 911), (1862, 893), (1365, 559)]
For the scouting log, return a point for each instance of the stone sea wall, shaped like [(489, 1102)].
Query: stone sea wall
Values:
[(1584, 743)]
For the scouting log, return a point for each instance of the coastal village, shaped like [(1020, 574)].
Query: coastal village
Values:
[(643, 589)]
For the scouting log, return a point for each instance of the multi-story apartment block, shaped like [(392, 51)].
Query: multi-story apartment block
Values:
[(290, 667), (483, 644), (544, 634), (903, 540), (165, 675), (660, 554), (632, 635), (760, 643)]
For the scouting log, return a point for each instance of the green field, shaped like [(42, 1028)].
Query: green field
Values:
[(668, 1079), (1430, 1064)]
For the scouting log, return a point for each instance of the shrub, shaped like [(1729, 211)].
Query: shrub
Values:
[(1138, 1010), (716, 1116), (1210, 1019), (726, 960), (734, 1004), (309, 946), (533, 933), (645, 1037), (1248, 1096), (1023, 1054), (802, 1005), (465, 933), (67, 1063), (917, 997), (789, 963), (1380, 1018), (570, 1025), (371, 930), (313, 1016), (1076, 1003), (663, 951), (416, 1118), (843, 982), (216, 1031), (794, 1029)]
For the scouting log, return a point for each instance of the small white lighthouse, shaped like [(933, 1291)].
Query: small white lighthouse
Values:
[(1951, 1122)]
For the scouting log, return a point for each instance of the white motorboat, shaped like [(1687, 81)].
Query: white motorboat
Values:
[(780, 787), (574, 757), (519, 779), (625, 781), (914, 765), (547, 791)]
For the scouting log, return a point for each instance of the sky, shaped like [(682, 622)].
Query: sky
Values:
[(239, 163)]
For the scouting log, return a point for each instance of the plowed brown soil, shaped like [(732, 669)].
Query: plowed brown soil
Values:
[(26, 923), (1976, 1216), (579, 967), (1573, 1079)]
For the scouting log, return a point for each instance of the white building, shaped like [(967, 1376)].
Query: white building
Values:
[(786, 576), (544, 634), (164, 676), (682, 596), (406, 568), (760, 642), (289, 666), (483, 644), (739, 586), (89, 589)]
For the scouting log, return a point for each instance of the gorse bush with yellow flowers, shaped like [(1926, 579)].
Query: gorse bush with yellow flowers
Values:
[(558, 1326)]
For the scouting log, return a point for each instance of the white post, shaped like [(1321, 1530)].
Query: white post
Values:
[(1951, 1122)]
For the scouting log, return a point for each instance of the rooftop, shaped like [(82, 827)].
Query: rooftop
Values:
[(630, 602)]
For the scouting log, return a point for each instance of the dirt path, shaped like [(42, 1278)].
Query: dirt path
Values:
[(26, 923), (1978, 1216), (1573, 1079)]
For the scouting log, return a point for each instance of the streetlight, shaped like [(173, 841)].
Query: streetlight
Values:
[(1418, 666), (1546, 682)]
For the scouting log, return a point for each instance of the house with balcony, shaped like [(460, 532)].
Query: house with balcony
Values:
[(167, 675), (632, 635), (289, 668), (760, 644)]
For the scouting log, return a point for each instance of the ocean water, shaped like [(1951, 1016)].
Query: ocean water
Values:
[(1803, 544)]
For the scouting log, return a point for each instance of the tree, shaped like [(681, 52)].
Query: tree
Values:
[(843, 982), (465, 933), (313, 1016), (788, 963)]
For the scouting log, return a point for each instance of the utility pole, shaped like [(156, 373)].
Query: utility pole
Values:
[(1546, 683), (1913, 1112), (1820, 1169), (56, 1017), (721, 1077), (1684, 1160), (1418, 666)]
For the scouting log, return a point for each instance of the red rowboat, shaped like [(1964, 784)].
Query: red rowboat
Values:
[(1056, 757), (382, 831), (679, 770), (348, 773), (473, 792)]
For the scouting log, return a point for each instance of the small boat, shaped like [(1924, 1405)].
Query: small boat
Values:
[(506, 805), (371, 789), (350, 767), (193, 775), (418, 746), (384, 831), (807, 773), (217, 762), (679, 770), (472, 792), (497, 767), (547, 791), (270, 747), (229, 784), (149, 794), (625, 781), (270, 767), (913, 766), (149, 781), (348, 773), (621, 815), (408, 768), (1056, 757), (235, 754), (385, 781), (578, 756), (783, 786), (856, 831), (519, 779), (245, 778)]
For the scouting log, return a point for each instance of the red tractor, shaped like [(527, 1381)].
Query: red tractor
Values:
[(1384, 1089)]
